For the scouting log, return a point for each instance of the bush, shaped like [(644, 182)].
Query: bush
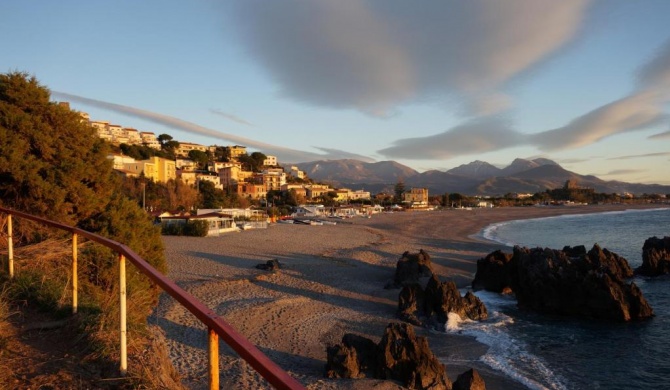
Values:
[(196, 228), (190, 228)]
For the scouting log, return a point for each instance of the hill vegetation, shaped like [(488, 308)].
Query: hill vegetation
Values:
[(53, 165)]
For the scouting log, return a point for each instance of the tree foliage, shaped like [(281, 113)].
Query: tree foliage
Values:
[(54, 165)]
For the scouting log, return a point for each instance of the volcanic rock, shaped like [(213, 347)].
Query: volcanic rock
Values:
[(655, 257), (411, 268), (569, 282), (432, 305), (469, 380), (407, 358), (400, 355)]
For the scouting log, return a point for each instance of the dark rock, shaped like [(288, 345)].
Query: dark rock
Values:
[(655, 257), (411, 268), (495, 273), (411, 303), (432, 305), (342, 362), (469, 380), (569, 282), (270, 265), (366, 350), (407, 358), (399, 356)]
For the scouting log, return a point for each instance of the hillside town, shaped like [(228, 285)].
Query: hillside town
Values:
[(234, 170)]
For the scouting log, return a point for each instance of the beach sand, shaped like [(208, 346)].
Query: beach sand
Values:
[(332, 283)]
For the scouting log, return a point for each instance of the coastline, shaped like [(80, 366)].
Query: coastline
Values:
[(332, 283)]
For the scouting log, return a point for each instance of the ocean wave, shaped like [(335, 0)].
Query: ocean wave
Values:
[(506, 354)]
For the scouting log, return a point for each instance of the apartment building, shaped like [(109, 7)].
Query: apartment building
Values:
[(156, 168), (185, 147), (270, 161)]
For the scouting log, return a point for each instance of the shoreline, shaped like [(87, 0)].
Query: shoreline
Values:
[(331, 284)]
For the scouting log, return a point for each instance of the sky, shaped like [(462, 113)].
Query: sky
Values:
[(429, 84)]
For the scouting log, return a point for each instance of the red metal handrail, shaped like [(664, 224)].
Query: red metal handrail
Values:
[(274, 374)]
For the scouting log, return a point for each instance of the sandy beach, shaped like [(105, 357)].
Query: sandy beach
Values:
[(332, 283)]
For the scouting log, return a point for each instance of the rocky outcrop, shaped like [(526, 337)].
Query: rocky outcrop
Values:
[(469, 380), (431, 306), (400, 355), (655, 257), (570, 282), (411, 268)]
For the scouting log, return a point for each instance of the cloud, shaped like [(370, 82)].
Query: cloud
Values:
[(622, 172), (377, 55), (282, 153), (663, 135), (633, 112), (231, 117), (475, 136), (632, 156), (642, 108), (344, 154)]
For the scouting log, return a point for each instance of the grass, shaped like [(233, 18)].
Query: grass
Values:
[(42, 286)]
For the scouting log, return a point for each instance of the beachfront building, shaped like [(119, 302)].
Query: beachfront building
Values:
[(314, 191), (359, 194), (341, 195), (416, 198), (218, 222)]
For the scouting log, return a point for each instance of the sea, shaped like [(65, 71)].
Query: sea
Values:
[(545, 352)]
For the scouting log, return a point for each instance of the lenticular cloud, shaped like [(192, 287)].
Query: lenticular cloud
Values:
[(376, 55)]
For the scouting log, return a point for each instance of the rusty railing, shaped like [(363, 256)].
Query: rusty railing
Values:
[(216, 326)]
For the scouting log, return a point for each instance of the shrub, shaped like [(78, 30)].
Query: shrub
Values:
[(196, 228)]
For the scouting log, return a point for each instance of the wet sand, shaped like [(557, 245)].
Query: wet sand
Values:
[(332, 283)]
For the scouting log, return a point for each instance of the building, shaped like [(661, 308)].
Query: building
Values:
[(149, 139), (316, 190), (214, 179), (185, 147), (273, 179), (270, 161), (119, 160), (416, 197), (234, 152), (156, 168), (359, 194), (252, 190), (295, 172)]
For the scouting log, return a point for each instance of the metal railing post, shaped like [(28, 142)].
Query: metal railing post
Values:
[(123, 364), (213, 360), (10, 247), (75, 284)]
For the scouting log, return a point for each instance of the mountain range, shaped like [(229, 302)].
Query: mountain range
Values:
[(475, 178)]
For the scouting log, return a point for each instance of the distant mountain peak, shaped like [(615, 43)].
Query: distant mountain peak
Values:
[(475, 169)]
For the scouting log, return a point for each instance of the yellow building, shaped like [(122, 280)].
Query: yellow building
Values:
[(156, 168), (236, 151)]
